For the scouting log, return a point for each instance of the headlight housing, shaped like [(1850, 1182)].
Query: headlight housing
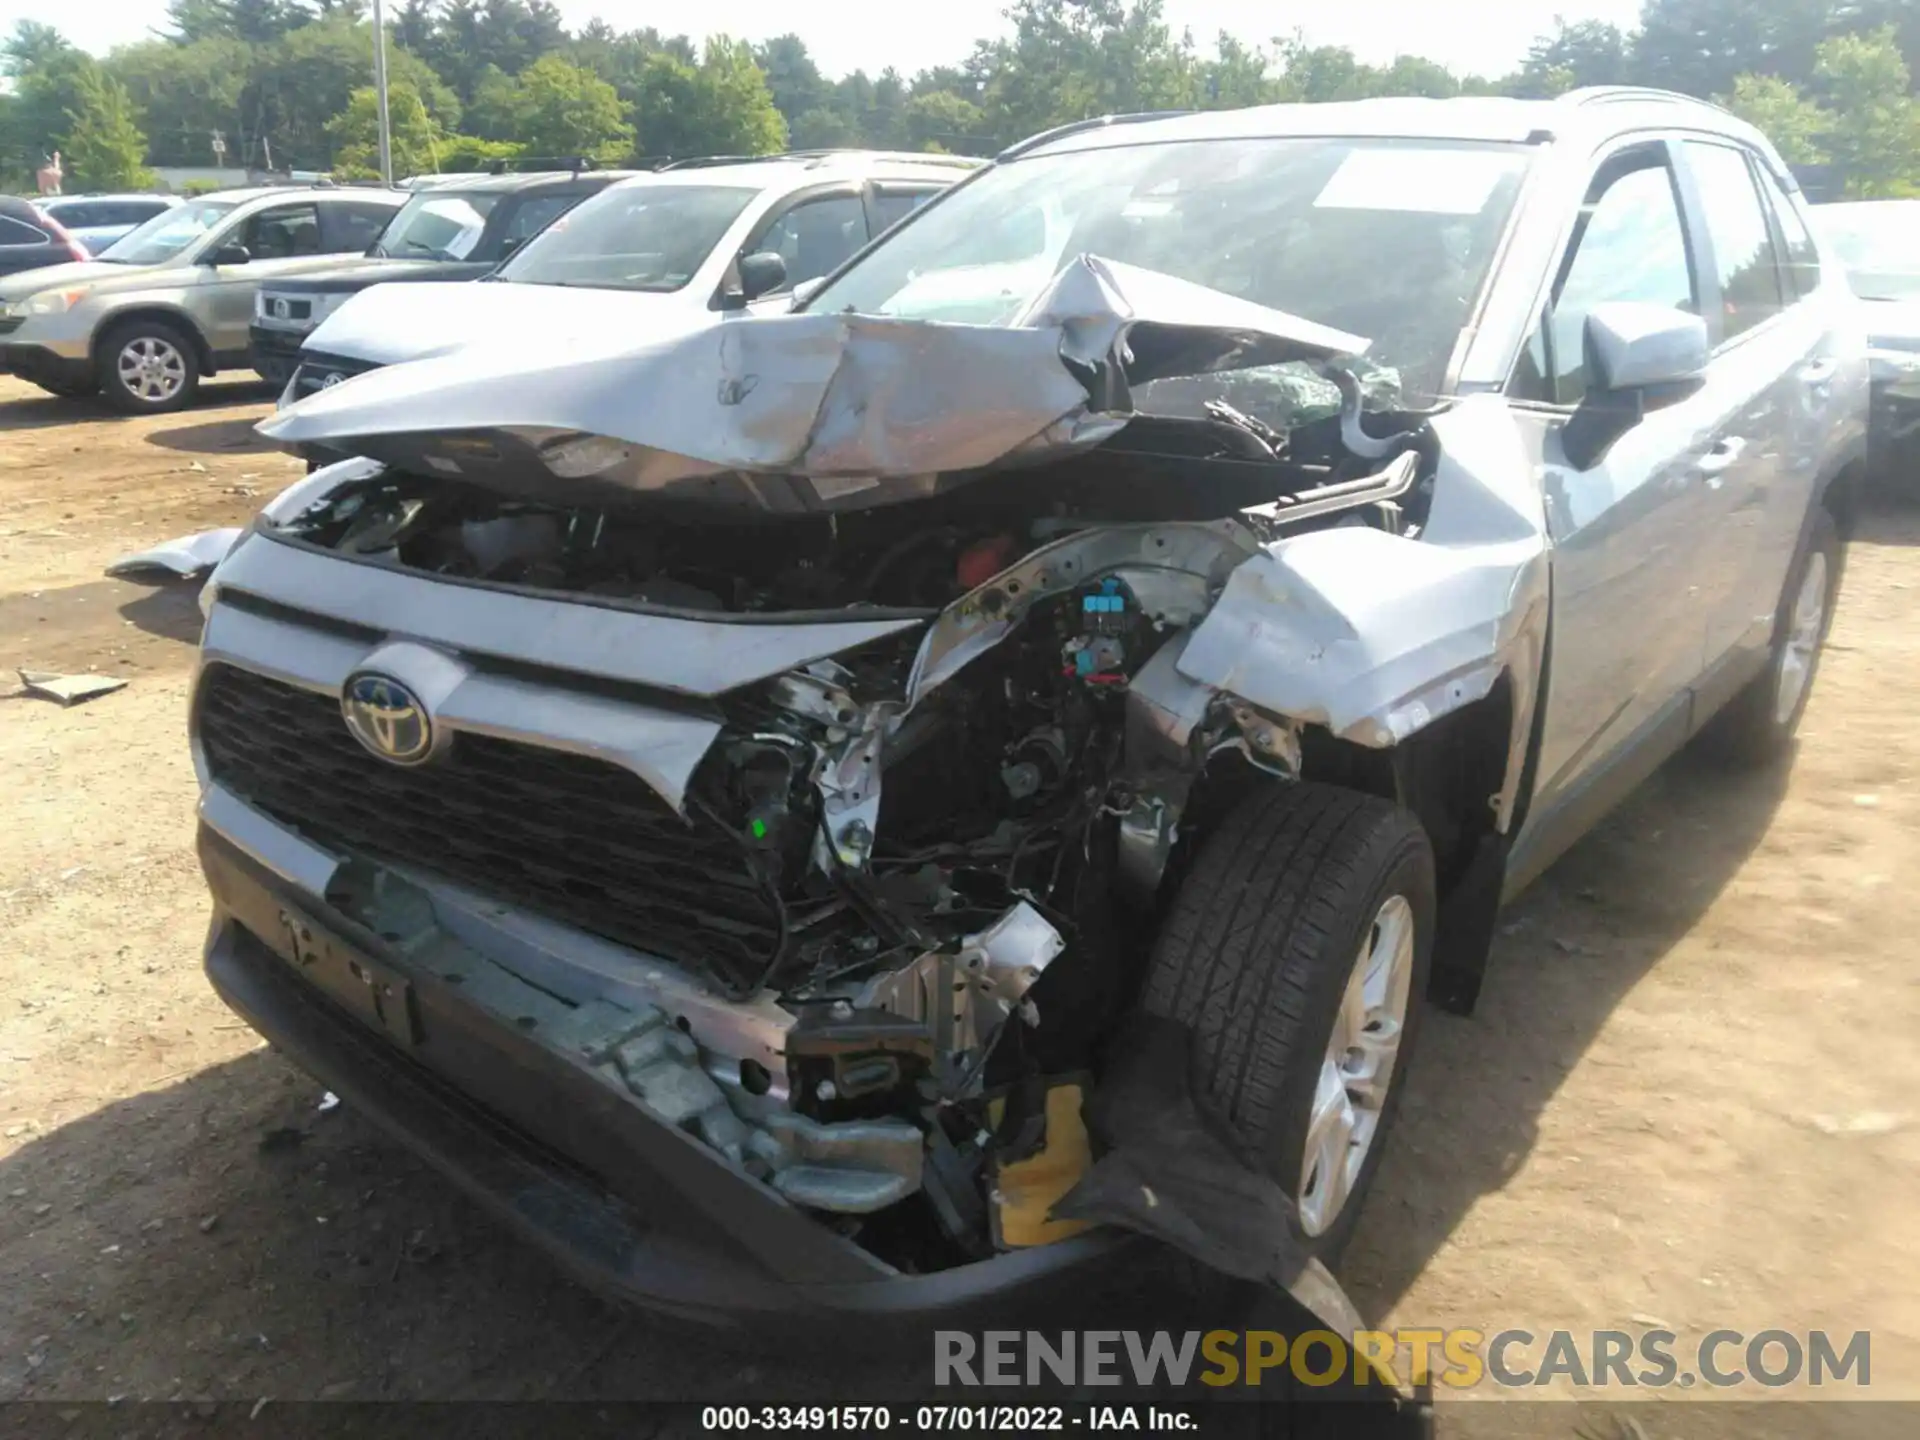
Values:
[(53, 302)]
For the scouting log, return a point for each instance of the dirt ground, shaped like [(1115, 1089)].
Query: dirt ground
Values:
[(1691, 1096)]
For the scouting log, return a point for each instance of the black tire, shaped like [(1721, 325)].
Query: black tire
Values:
[(70, 389), (1255, 955), (171, 386), (1756, 727)]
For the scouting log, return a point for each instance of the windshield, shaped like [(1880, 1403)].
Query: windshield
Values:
[(434, 225), (1879, 243), (1391, 240), (168, 233), (647, 237)]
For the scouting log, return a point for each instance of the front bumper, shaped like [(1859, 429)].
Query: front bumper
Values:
[(274, 353), (634, 1208), (38, 364)]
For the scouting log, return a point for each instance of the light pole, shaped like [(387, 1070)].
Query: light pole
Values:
[(380, 91)]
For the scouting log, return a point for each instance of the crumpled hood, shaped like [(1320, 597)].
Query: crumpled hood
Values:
[(390, 323), (60, 277), (849, 400)]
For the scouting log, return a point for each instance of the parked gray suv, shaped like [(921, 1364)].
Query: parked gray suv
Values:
[(170, 302), (852, 810)]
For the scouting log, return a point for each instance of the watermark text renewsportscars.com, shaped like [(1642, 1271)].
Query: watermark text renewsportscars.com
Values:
[(1455, 1359)]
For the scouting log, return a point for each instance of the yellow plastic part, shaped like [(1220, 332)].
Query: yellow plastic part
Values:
[(1026, 1190)]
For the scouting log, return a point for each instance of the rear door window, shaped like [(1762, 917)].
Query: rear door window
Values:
[(1802, 258), (1743, 253), (284, 232), (892, 205), (351, 227)]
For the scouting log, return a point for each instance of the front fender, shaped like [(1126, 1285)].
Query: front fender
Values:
[(1375, 636)]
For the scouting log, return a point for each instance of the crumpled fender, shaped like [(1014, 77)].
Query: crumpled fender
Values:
[(1375, 636)]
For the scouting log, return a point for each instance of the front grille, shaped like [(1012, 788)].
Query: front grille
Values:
[(317, 371), (570, 837)]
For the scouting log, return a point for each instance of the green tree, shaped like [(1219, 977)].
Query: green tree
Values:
[(1069, 59), (941, 120), (559, 108), (307, 77), (104, 149), (185, 93), (417, 141), (1874, 136), (255, 21), (1775, 107), (47, 75), (1237, 75), (1699, 46), (719, 107), (1585, 52)]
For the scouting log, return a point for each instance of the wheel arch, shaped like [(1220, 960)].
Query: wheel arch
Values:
[(169, 315)]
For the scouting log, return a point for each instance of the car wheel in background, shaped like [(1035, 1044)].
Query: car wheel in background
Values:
[(1296, 952), (147, 367), (1758, 724)]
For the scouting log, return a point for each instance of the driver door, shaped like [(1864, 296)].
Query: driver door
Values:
[(1628, 625), (279, 239)]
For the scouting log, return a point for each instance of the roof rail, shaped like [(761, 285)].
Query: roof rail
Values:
[(575, 163), (1075, 127), (928, 157), (1615, 94)]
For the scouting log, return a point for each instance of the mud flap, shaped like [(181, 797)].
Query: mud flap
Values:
[(1166, 1172)]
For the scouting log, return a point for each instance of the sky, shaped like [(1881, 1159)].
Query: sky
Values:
[(1486, 37)]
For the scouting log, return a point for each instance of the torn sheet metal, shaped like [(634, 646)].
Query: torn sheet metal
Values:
[(186, 557), (868, 407), (68, 689), (1375, 636)]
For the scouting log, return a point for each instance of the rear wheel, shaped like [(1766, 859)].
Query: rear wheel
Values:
[(1758, 724), (1297, 952), (147, 367)]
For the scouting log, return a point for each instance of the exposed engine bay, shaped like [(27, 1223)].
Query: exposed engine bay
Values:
[(961, 830)]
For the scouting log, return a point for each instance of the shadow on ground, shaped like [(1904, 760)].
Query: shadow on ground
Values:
[(1563, 958), (221, 437)]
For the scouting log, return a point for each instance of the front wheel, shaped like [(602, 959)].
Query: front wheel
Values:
[(148, 368), (1296, 952)]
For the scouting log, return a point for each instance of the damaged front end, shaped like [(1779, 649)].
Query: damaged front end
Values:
[(852, 701)]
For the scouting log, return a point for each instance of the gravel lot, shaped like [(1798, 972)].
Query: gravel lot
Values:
[(1691, 1096)]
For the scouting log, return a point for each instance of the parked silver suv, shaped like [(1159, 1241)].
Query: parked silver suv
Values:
[(170, 302), (809, 784)]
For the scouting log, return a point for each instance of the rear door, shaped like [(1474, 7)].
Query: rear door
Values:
[(1765, 371), (1626, 627)]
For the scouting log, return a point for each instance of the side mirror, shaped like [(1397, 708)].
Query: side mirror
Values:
[(1639, 357), (807, 289), (231, 253), (760, 274)]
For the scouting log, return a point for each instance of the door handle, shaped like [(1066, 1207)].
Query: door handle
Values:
[(1721, 457)]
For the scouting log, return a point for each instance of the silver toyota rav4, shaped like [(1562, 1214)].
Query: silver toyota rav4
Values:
[(859, 809)]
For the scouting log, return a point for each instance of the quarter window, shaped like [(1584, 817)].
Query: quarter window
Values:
[(18, 232), (1743, 252), (1629, 244)]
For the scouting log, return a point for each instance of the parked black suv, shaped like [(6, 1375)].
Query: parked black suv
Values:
[(452, 230)]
